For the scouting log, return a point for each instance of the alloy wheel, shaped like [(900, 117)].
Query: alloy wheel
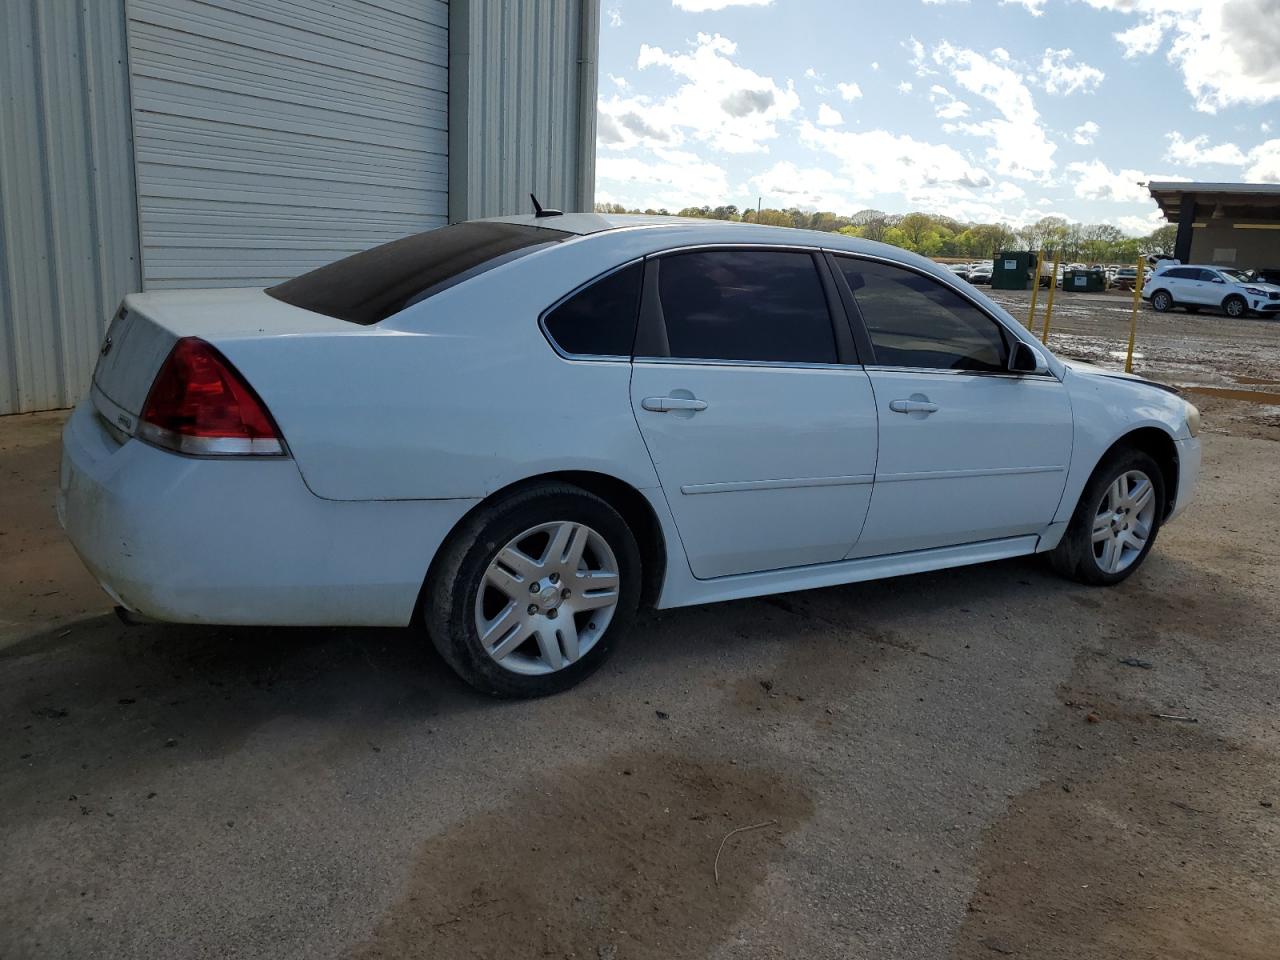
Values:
[(547, 598), (1123, 522)]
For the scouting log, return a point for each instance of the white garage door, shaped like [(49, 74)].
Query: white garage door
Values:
[(272, 136)]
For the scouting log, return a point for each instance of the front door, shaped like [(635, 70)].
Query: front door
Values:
[(764, 440), (968, 450)]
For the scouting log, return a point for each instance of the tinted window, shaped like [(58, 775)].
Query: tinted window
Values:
[(599, 320), (1182, 273), (914, 321), (765, 305), (372, 285), (1208, 276)]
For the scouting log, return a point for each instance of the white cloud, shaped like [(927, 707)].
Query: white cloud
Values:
[(829, 116), (945, 104), (849, 91), (665, 178), (811, 74), (1034, 7), (1094, 180), (1085, 133), (703, 6), (615, 16), (1141, 226), (1226, 49), (1059, 74), (878, 161), (812, 188), (619, 82), (1261, 164), (725, 105), (875, 65), (1197, 150), (904, 86), (1019, 145)]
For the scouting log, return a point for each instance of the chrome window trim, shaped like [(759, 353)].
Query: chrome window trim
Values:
[(588, 357), (769, 364), (977, 305), (947, 371)]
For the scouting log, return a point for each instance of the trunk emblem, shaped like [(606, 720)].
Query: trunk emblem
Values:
[(106, 347)]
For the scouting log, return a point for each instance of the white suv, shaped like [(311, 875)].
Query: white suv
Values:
[(1195, 287)]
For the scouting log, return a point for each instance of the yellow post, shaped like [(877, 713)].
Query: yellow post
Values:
[(1035, 292), (1053, 288), (1133, 324)]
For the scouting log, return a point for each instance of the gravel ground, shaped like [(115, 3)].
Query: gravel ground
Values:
[(953, 764)]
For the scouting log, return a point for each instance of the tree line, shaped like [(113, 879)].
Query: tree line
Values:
[(939, 236)]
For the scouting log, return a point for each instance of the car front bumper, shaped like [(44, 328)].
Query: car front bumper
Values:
[(239, 541), (1188, 473)]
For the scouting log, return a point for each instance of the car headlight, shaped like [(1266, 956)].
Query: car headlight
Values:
[(1193, 419), (1255, 291)]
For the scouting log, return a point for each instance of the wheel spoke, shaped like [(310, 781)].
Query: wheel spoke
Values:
[(1101, 528), (517, 635), (1115, 494), (520, 563), (558, 548), (513, 586), (1141, 495), (595, 601), (1110, 555), (1132, 540), (568, 631), (549, 646)]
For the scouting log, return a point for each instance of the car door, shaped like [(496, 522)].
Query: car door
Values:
[(1213, 288), (968, 450), (760, 422)]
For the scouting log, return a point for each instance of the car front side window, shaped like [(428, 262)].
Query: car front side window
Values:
[(915, 321), (764, 306)]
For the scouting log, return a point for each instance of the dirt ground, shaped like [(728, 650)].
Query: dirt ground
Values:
[(961, 764)]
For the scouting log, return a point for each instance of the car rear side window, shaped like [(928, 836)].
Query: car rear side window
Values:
[(370, 286), (915, 321), (600, 319), (756, 305)]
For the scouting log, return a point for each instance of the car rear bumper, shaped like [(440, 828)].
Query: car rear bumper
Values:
[(1188, 473), (239, 541)]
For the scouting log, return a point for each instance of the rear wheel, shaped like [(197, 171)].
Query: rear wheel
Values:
[(1161, 301), (1116, 521), (532, 593), (1235, 307)]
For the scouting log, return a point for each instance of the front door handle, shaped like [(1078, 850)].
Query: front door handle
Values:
[(668, 404), (913, 406)]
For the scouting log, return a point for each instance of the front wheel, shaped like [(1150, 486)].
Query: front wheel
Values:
[(1161, 302), (1116, 521), (531, 593), (1235, 307)]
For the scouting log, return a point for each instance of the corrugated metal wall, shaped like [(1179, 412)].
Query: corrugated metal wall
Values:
[(68, 243), (523, 106), (277, 135)]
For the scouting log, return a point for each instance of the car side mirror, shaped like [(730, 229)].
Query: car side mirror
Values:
[(1025, 359), (1218, 280)]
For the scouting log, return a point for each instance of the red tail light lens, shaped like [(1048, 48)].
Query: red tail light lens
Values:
[(199, 404)]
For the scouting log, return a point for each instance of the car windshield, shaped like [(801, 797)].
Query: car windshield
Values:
[(370, 286), (1235, 275)]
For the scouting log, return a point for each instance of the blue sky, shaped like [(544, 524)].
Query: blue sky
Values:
[(980, 109)]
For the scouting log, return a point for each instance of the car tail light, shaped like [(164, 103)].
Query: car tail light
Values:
[(199, 404)]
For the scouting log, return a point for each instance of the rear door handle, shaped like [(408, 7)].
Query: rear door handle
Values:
[(913, 406), (667, 404)]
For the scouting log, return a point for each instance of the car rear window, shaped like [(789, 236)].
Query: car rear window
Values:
[(370, 286)]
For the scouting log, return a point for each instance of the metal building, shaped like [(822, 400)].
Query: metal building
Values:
[(1228, 224), (192, 143)]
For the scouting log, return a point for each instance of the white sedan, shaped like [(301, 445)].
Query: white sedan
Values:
[(516, 431)]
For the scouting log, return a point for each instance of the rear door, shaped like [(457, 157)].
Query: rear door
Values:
[(969, 451), (760, 422)]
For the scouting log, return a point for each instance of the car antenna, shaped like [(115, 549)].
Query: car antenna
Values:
[(539, 212)]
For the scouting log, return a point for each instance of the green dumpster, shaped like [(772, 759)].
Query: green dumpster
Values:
[(1011, 270), (1084, 281)]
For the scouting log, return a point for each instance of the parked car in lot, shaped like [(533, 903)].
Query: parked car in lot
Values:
[(1195, 288), (1125, 278), (516, 431), (980, 273), (961, 270)]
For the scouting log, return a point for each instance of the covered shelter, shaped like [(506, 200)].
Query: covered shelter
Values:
[(1225, 224)]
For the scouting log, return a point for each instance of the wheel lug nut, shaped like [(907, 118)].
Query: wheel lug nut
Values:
[(533, 608), (565, 593), (552, 614), (555, 578), (533, 587)]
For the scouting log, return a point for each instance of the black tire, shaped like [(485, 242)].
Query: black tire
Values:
[(1074, 556), (450, 602), (1161, 301), (1235, 307)]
